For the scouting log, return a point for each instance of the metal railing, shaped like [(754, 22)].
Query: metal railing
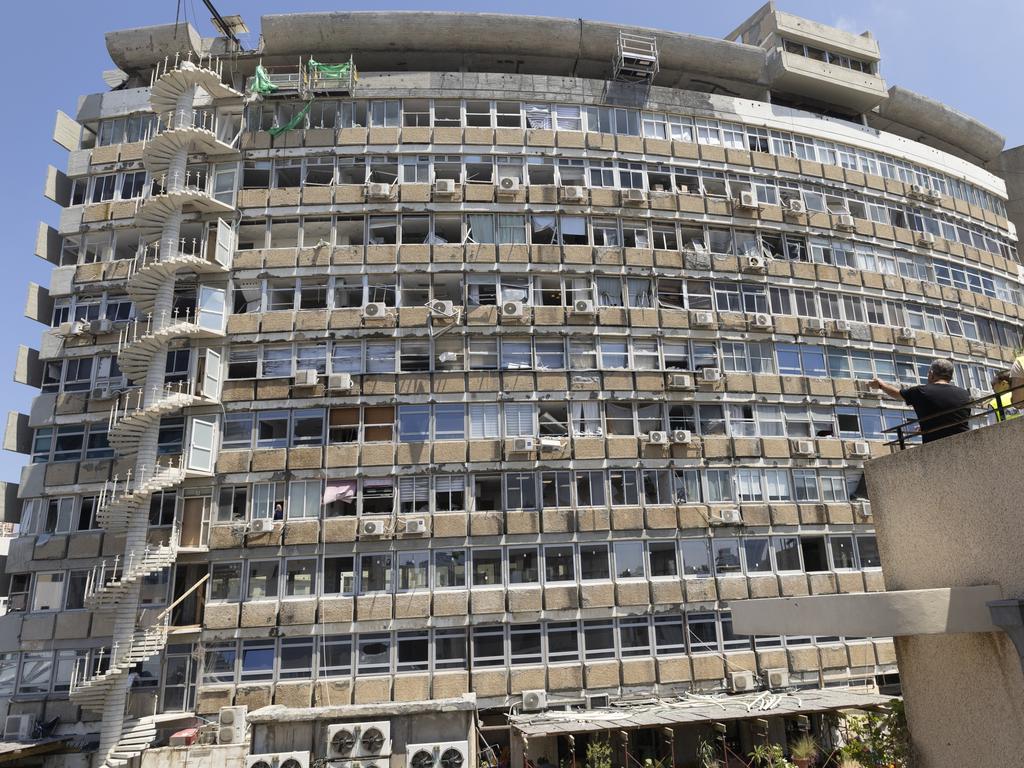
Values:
[(991, 409), (118, 488), (169, 64)]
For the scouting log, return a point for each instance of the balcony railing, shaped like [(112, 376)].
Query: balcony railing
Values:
[(987, 408)]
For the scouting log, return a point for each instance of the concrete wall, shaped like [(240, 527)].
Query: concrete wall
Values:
[(948, 514), (1010, 166)]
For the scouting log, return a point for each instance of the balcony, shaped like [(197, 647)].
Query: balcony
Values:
[(793, 73)]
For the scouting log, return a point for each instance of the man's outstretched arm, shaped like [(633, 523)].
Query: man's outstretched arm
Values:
[(889, 389)]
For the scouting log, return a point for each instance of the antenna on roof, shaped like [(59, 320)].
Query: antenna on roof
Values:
[(229, 26)]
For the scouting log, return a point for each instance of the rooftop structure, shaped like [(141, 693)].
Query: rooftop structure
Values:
[(411, 406)]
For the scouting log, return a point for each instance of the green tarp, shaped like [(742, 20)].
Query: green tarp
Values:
[(261, 81), (295, 122), (328, 71)]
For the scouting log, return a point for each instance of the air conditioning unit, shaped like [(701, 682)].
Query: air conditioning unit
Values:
[(19, 727), (231, 725), (444, 187), (919, 191), (507, 185), (103, 393), (761, 320), (103, 325), (573, 194), (730, 516), (307, 377), (845, 222), (704, 318), (741, 682), (261, 525), (513, 309), (358, 740), (755, 263), (802, 447), (658, 437), (339, 382), (862, 509), (815, 325), (925, 239), (906, 333), (523, 445), (711, 374), (443, 308), (795, 207), (748, 200), (378, 191), (449, 755), (550, 444), (535, 701), (634, 196), (416, 525), (682, 436), (864, 389), (77, 328), (680, 381), (375, 310), (778, 678), (583, 307), (842, 326), (373, 527), (278, 760), (861, 448)]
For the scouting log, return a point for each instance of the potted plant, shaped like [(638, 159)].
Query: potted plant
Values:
[(804, 751)]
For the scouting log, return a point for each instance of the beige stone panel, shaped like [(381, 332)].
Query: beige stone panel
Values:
[(345, 318), (305, 457), (525, 599), (793, 584), (593, 519), (84, 544), (340, 529), (269, 539), (565, 677), (717, 447), (295, 694), (638, 672), (491, 682), (701, 590), (602, 674), (259, 613), (412, 687), (486, 524), (661, 517), (487, 600), (254, 696), (220, 615), (528, 678), (732, 588), (707, 667), (412, 605), (485, 450), (822, 583), (298, 611), (332, 693), (830, 448), (850, 581), (588, 447), (874, 581), (833, 656), (755, 514), (693, 516), (627, 518), (269, 459), (210, 699), (597, 594), (342, 455), (521, 522), (629, 593), (803, 659), (840, 514), (61, 473), (336, 609), (666, 591), (449, 685), (412, 453), (273, 389), (764, 586), (226, 537), (558, 520), (765, 384), (377, 607), (451, 603), (785, 514), (378, 454), (50, 547), (746, 446), (372, 690), (561, 598)]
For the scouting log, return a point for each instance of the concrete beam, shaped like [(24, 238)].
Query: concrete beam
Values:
[(873, 614), (277, 713)]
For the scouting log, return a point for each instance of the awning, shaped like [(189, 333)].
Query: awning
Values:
[(695, 708)]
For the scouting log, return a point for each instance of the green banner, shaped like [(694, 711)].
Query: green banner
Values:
[(295, 122), (328, 71)]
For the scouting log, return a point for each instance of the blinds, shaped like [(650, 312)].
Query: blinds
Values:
[(449, 483), (519, 420), (483, 421), (413, 489), (538, 116)]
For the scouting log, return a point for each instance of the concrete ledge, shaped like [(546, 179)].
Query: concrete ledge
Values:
[(278, 713)]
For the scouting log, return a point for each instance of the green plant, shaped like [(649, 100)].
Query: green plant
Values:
[(599, 753), (769, 756), (707, 755), (879, 738), (804, 748)]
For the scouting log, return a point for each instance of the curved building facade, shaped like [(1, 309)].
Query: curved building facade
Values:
[(418, 413)]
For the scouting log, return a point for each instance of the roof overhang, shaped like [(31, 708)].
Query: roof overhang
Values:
[(277, 713)]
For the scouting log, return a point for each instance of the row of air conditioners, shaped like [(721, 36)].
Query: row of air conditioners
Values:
[(744, 682), (687, 380), (383, 526), (310, 377), (452, 754), (921, 192), (531, 444), (346, 741), (278, 760), (82, 327), (801, 447), (663, 437)]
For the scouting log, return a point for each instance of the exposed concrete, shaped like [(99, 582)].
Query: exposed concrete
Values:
[(1010, 167), (277, 713), (140, 47)]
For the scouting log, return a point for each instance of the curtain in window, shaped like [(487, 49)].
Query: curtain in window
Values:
[(343, 490), (586, 419), (538, 116)]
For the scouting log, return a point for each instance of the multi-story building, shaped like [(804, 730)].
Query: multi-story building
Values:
[(479, 383)]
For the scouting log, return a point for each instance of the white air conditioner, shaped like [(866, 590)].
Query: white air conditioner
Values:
[(306, 377), (339, 382), (583, 307), (416, 525), (1011, 230), (375, 310), (778, 678), (573, 194), (445, 755), (535, 700), (919, 191), (523, 445), (861, 448), (741, 682), (373, 527), (103, 393), (444, 187), (231, 725), (906, 333), (442, 308), (755, 263), (862, 509), (19, 727), (845, 222), (842, 326), (513, 309), (103, 325), (358, 740), (704, 318), (508, 185), (278, 760), (77, 328), (634, 196), (748, 200), (761, 320), (682, 436), (795, 207), (261, 525), (550, 444), (680, 381), (378, 191), (730, 516), (658, 437), (815, 325), (711, 374), (925, 239), (802, 447)]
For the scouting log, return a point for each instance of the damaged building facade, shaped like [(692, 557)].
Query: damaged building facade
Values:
[(440, 410)]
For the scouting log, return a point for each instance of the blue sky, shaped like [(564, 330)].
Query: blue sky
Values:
[(964, 54)]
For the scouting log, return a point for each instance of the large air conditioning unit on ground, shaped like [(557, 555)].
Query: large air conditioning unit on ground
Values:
[(748, 200), (680, 381), (339, 382), (583, 307), (346, 741), (513, 310), (535, 700), (523, 445), (444, 187), (375, 310), (278, 760), (261, 525), (778, 678), (19, 728), (373, 527), (378, 191), (444, 755), (658, 437), (306, 377), (801, 447), (231, 727), (741, 682), (573, 194), (508, 186), (711, 374)]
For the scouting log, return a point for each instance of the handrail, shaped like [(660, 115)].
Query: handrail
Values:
[(901, 430)]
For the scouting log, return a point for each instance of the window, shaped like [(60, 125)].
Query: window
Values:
[(335, 655), (339, 575), (300, 578), (304, 498), (373, 653), (523, 566), (558, 564), (226, 581), (263, 577), (375, 573), (449, 568), (629, 559), (49, 591), (727, 556), (696, 557)]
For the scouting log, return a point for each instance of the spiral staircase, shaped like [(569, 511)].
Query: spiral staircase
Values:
[(175, 195)]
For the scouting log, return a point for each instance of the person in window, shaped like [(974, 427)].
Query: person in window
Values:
[(942, 407), (1002, 404), (279, 511)]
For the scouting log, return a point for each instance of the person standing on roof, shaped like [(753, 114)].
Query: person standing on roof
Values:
[(1017, 381), (942, 408), (1002, 404)]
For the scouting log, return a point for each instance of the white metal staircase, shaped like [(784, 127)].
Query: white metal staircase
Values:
[(175, 194)]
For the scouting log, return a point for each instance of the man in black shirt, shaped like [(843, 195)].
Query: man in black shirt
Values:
[(942, 407)]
